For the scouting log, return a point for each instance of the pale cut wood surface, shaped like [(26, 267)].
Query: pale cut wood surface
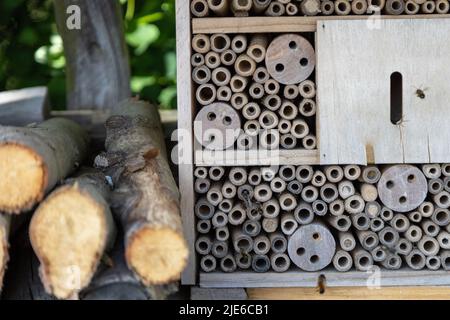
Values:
[(355, 64), (283, 24), (402, 277), (256, 157), (185, 137), (354, 293), (24, 106)]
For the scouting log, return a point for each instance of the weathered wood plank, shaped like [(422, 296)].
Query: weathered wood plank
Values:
[(403, 277), (354, 293), (185, 137), (284, 24), (22, 107), (355, 113)]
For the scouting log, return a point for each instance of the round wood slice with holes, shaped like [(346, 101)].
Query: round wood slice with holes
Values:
[(402, 188), (290, 59), (217, 126), (312, 247)]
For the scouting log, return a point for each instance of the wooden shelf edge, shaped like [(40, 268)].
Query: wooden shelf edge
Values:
[(294, 279), (283, 24), (256, 157)]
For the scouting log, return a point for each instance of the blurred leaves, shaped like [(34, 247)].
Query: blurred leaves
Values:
[(31, 51)]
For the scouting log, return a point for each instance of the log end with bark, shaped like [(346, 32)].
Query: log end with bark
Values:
[(70, 231), (5, 222), (35, 158), (146, 198)]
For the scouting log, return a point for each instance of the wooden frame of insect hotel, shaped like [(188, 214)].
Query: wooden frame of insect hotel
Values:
[(314, 141)]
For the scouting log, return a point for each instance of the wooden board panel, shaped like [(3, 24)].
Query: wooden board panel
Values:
[(284, 24), (354, 293), (256, 157), (185, 137), (403, 277), (355, 64)]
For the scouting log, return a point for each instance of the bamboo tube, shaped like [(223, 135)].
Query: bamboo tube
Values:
[(271, 208), (219, 249), (371, 174), (287, 172), (221, 76), (334, 174), (263, 192), (208, 263), (284, 126), (222, 233), (369, 192), (288, 224), (272, 102), (288, 141), (224, 93), (304, 173), (201, 172), (447, 184), (252, 128), (271, 87), (202, 186), (201, 75), (359, 7), (307, 108), (291, 9), (346, 189), (280, 262), (389, 237), (444, 240), (327, 7), (261, 75), (288, 110), (199, 8), (304, 214), (375, 5), (203, 209), (275, 9), (237, 215), (203, 245), (386, 214), (220, 219), (416, 260), (329, 192), (254, 177), (295, 187), (392, 262), (441, 217), (228, 264), (426, 209), (241, 242), (394, 7), (368, 239), (239, 44), (260, 263), (362, 259), (201, 43), (257, 48), (270, 139), (352, 172), (245, 142), (238, 100), (228, 190), (360, 221), (376, 224), (433, 263), (243, 260), (347, 241), (337, 207), (428, 7), (287, 202), (259, 6), (251, 111), (228, 57), (372, 209), (219, 7), (430, 228), (238, 176), (261, 245), (251, 228), (341, 223), (307, 89), (342, 261), (400, 222), (226, 205), (214, 194), (270, 225), (310, 7), (197, 60), (403, 247), (212, 60), (241, 8), (245, 66), (278, 242), (238, 83), (354, 204), (220, 42), (445, 260), (319, 179), (278, 185), (290, 92), (432, 171), (446, 169), (413, 234), (216, 173), (300, 129), (415, 217), (309, 142), (309, 194), (429, 246), (256, 90), (206, 94), (342, 7), (411, 7)]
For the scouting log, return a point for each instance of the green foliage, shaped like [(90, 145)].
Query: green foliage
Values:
[(31, 51)]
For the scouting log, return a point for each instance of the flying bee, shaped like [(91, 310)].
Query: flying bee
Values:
[(420, 93)]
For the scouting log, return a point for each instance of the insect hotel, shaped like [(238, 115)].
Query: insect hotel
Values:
[(315, 142)]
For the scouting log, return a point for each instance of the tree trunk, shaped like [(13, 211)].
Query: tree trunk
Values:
[(35, 158), (5, 224), (98, 72), (70, 231), (146, 199), (25, 106)]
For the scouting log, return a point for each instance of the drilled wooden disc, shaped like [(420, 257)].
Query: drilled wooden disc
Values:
[(402, 188), (217, 126), (312, 247), (290, 59)]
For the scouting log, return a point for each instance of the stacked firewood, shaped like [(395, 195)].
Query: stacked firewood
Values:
[(351, 217), (260, 88), (75, 209), (275, 8)]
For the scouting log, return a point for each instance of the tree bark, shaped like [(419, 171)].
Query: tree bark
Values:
[(145, 199), (35, 158), (70, 231), (25, 106), (98, 72), (5, 224)]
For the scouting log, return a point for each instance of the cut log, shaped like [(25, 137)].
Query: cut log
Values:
[(25, 106), (70, 231), (146, 198), (35, 158), (98, 72), (5, 223), (114, 281)]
